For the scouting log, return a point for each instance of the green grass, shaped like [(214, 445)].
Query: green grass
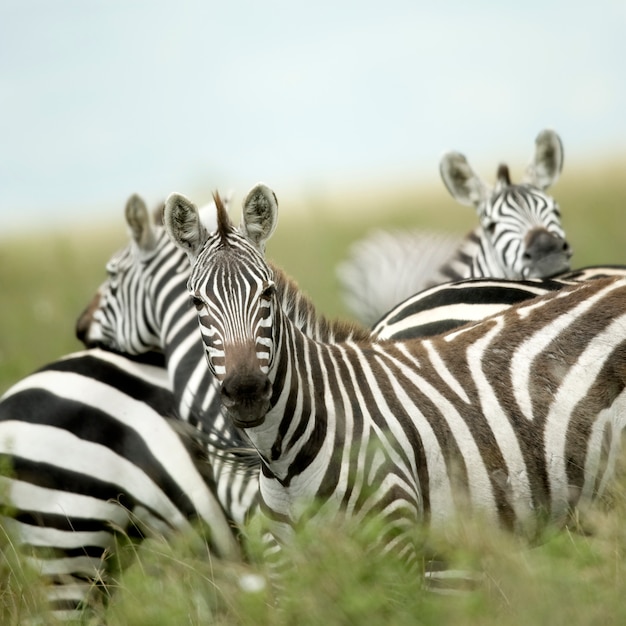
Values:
[(48, 278), (335, 578)]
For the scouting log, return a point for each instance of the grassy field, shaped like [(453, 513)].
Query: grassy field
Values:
[(47, 278)]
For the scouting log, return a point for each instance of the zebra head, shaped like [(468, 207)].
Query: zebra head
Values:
[(520, 225), (133, 309), (121, 315), (234, 294)]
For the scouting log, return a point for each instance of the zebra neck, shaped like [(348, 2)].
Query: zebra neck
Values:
[(301, 427), (297, 421)]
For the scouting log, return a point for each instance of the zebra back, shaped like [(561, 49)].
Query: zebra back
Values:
[(450, 305), (519, 236)]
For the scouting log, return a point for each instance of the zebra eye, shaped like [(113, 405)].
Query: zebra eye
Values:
[(197, 302), (268, 291), (490, 228), (557, 211)]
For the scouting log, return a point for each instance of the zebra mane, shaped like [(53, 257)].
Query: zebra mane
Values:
[(224, 224), (503, 175), (303, 313)]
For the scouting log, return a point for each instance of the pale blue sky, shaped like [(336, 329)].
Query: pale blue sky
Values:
[(104, 98)]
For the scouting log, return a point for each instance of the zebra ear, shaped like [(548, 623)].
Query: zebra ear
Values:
[(183, 225), (139, 224), (547, 162), (460, 179), (260, 215)]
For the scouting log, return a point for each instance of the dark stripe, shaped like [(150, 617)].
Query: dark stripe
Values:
[(281, 382), (50, 476), (38, 406), (49, 553), (427, 330), (470, 295), (308, 450), (357, 438), (90, 366), (61, 522), (311, 448), (67, 605)]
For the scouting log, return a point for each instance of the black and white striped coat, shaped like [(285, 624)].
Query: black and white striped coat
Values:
[(516, 419), (450, 305), (519, 236), (144, 306), (95, 450)]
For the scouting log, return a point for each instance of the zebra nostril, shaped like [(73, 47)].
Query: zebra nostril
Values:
[(242, 387), (267, 388), (226, 396)]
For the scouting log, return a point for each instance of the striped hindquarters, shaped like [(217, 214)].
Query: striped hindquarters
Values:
[(91, 455)]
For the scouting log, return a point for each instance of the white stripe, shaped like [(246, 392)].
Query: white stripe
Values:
[(523, 360), (43, 536), (479, 485), (572, 390), (444, 372), (504, 434)]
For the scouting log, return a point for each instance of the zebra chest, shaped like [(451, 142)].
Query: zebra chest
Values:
[(288, 502), (289, 489)]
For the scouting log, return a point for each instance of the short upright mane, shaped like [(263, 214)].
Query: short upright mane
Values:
[(301, 310), (224, 224), (503, 175)]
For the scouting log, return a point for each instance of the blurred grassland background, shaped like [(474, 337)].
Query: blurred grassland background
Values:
[(47, 278), (571, 578)]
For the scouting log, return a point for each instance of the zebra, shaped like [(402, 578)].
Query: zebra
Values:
[(95, 451), (519, 236), (516, 419), (124, 270), (450, 305), (143, 307), (59, 398)]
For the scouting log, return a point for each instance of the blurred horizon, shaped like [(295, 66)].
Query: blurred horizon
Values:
[(104, 99)]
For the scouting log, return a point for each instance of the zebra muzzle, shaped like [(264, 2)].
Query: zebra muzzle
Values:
[(246, 398), (546, 254)]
